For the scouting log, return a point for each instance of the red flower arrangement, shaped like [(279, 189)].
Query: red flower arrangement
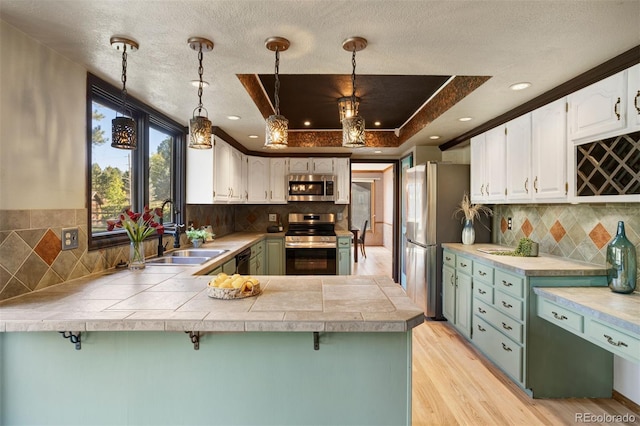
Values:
[(138, 225)]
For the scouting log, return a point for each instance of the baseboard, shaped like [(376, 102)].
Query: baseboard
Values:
[(625, 401)]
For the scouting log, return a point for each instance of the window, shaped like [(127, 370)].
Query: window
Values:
[(121, 178), (362, 202)]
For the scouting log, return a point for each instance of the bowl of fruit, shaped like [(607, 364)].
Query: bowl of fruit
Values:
[(236, 286)]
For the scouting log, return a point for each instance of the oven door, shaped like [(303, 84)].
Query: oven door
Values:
[(311, 261)]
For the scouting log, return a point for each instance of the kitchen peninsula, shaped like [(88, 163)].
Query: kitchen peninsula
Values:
[(307, 350)]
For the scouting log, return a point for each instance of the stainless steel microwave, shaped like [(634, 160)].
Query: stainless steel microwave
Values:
[(311, 188)]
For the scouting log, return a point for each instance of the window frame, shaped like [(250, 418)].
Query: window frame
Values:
[(100, 91)]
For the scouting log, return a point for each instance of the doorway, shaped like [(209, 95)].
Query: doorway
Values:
[(374, 198)]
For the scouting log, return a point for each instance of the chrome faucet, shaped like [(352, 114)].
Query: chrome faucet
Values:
[(176, 231)]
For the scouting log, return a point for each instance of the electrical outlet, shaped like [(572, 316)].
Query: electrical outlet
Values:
[(273, 217), (509, 223), (69, 238)]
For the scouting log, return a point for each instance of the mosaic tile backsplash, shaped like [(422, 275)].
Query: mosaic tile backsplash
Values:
[(31, 256), (579, 232)]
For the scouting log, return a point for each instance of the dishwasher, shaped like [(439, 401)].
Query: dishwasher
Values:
[(242, 262)]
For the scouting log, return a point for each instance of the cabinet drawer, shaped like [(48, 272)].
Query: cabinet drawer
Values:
[(465, 265), (500, 321), (508, 304), (512, 284), (257, 248), (483, 291), (560, 316), (499, 348), (449, 258), (613, 340), (482, 272), (344, 242)]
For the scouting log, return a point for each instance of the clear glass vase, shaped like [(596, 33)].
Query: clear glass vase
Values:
[(468, 233), (621, 263), (136, 255)]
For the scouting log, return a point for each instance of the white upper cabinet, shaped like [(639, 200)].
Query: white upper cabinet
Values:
[(478, 182), (343, 180), (199, 176), (598, 110), (278, 168), (258, 180), (311, 165), (236, 190), (495, 171), (633, 109), (549, 152), (221, 171), (518, 159)]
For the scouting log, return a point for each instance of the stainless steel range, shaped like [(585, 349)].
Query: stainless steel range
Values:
[(310, 244)]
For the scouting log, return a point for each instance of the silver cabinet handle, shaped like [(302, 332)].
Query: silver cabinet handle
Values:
[(558, 317), (618, 343), (482, 189), (526, 185), (535, 184), (506, 284), (635, 102), (616, 108)]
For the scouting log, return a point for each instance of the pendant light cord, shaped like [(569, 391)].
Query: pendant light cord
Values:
[(353, 79), (277, 88), (124, 79), (200, 85)]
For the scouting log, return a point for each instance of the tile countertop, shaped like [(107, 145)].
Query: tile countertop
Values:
[(174, 298), (622, 310), (542, 265)]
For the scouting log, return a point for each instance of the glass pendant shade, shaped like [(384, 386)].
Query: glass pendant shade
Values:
[(200, 132), (347, 108), (353, 132), (277, 127), (123, 133)]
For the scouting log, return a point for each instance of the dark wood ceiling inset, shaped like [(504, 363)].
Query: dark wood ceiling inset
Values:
[(390, 99)]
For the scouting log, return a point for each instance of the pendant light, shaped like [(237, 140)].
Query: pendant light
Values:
[(123, 129), (277, 125), (199, 125), (353, 126)]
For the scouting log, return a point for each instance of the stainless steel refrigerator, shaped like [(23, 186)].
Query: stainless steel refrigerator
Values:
[(433, 192)]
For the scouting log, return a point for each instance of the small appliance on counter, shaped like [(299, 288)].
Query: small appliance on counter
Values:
[(273, 228)]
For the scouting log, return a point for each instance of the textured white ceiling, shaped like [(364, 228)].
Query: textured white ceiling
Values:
[(545, 42)]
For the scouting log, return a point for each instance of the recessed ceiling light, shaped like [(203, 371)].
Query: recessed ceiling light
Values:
[(376, 123), (196, 83), (307, 123), (434, 137), (520, 86), (233, 117), (253, 136), (377, 152), (465, 119)]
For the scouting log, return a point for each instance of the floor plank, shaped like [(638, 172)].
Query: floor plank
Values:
[(454, 384)]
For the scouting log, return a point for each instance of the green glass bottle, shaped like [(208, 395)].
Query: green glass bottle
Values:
[(621, 263)]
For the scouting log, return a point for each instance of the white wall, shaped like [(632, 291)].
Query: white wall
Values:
[(388, 187), (42, 126)]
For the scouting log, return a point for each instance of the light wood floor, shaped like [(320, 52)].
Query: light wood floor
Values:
[(453, 384)]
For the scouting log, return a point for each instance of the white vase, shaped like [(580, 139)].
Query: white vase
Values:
[(468, 233), (196, 242)]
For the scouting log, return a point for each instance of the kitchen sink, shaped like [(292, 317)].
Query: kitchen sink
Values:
[(178, 260), (197, 253)]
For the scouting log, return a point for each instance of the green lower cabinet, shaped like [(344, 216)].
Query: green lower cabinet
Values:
[(344, 255), (256, 262), (275, 256), (545, 360)]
